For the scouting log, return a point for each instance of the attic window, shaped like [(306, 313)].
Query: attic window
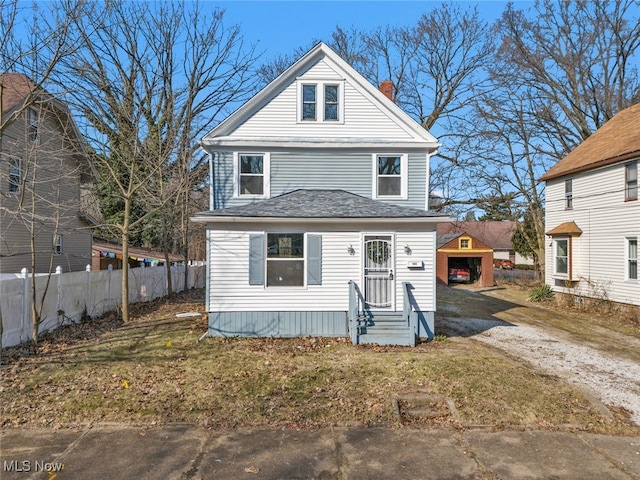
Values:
[(320, 101), (465, 243), (308, 102)]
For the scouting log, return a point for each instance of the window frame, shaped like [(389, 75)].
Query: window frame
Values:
[(568, 194), (404, 176), (631, 260), (32, 124), (302, 260), (326, 103), (15, 175), (320, 101), (58, 244), (465, 244), (237, 174), (556, 242), (304, 102), (631, 184)]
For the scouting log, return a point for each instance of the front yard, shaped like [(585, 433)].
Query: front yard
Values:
[(153, 370)]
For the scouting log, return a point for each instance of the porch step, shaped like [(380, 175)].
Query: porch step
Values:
[(385, 328)]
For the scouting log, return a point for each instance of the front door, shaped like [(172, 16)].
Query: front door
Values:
[(378, 271)]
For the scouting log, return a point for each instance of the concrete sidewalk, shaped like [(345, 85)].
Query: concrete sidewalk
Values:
[(186, 452)]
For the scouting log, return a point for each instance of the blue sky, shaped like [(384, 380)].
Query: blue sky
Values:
[(279, 27)]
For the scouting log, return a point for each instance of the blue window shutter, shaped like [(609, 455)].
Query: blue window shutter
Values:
[(314, 259), (256, 259)]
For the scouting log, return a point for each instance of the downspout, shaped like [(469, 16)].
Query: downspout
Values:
[(427, 179), (207, 282)]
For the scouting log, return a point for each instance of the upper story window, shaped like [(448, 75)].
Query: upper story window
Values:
[(631, 181), (331, 103), (320, 101), (15, 176), (465, 243), (632, 258), (32, 118), (309, 102), (568, 194), (390, 176), (252, 175)]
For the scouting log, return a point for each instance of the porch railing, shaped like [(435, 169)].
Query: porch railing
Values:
[(358, 316)]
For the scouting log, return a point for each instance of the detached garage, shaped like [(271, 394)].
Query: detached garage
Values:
[(460, 257)]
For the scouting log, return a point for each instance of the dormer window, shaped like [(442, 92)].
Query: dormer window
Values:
[(320, 101)]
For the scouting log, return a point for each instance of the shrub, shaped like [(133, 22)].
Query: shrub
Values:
[(542, 293)]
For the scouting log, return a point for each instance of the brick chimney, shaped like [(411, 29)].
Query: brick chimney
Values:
[(386, 87)]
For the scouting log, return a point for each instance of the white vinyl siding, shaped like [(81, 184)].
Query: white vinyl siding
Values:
[(229, 266), (361, 118), (289, 171), (599, 254)]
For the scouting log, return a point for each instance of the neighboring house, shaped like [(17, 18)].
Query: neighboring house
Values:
[(593, 214), (496, 235), (105, 254), (42, 166), (464, 251), (319, 221)]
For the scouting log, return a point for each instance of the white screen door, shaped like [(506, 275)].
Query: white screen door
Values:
[(378, 270)]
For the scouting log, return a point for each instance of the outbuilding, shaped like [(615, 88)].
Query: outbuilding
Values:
[(460, 252)]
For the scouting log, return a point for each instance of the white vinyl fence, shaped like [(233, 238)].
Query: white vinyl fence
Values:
[(70, 295)]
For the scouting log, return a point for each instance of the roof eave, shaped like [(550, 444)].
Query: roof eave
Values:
[(550, 175), (207, 218)]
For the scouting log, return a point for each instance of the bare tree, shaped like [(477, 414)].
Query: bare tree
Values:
[(33, 40), (149, 79), (562, 70)]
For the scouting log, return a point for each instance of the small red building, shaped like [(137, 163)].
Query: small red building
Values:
[(464, 251)]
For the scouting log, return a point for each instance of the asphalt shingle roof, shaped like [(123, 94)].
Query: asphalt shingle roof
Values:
[(616, 141), (321, 204)]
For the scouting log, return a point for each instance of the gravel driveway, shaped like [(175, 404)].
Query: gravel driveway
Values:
[(612, 378)]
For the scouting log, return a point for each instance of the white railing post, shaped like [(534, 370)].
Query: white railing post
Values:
[(59, 311), (88, 289)]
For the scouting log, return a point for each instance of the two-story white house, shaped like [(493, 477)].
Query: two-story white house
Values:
[(593, 214), (319, 221)]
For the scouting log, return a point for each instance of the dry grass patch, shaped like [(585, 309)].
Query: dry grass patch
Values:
[(154, 370)]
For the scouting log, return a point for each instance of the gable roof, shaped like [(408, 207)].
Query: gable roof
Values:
[(222, 134), (325, 205), (17, 89), (448, 240), (494, 234), (616, 141)]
